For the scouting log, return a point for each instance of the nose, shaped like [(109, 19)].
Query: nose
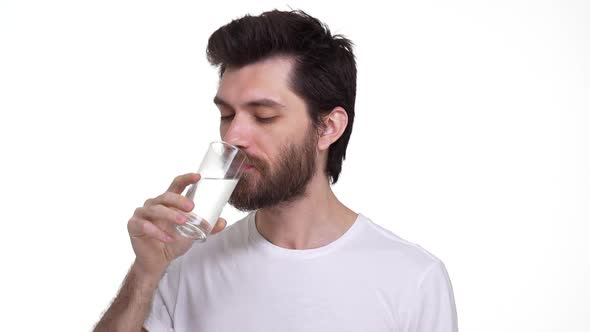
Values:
[(237, 133)]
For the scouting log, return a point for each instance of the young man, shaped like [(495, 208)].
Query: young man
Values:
[(301, 260)]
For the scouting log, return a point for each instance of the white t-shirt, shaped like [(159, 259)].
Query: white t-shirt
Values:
[(369, 279)]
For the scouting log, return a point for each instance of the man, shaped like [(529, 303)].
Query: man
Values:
[(301, 260)]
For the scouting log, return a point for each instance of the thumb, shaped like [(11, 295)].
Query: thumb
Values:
[(219, 226)]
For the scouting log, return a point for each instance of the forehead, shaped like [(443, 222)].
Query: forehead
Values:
[(267, 78)]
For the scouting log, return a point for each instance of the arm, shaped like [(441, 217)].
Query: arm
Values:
[(156, 245), (131, 306)]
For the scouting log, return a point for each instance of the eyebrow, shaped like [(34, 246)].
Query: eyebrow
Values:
[(264, 102)]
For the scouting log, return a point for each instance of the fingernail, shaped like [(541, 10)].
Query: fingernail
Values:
[(181, 218)]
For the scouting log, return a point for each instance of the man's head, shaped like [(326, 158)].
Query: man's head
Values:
[(286, 66)]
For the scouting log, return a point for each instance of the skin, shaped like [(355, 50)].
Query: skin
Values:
[(318, 217), (311, 221)]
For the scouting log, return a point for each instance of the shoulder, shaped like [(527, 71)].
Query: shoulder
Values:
[(396, 252), (419, 288)]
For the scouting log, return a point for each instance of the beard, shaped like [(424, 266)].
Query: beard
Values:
[(283, 183)]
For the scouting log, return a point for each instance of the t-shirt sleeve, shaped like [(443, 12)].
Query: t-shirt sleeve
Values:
[(436, 311), (160, 317)]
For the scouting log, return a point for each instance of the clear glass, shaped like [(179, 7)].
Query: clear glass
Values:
[(220, 171)]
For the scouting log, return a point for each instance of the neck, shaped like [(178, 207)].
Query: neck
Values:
[(312, 221)]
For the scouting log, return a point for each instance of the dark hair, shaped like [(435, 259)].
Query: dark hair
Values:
[(324, 71)]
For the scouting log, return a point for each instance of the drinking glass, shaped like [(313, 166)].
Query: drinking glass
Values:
[(220, 172)]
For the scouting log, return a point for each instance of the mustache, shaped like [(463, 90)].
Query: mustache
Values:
[(256, 162)]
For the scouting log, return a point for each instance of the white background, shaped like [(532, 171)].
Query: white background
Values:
[(471, 139)]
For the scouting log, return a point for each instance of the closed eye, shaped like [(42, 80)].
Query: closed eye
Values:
[(259, 119), (265, 120)]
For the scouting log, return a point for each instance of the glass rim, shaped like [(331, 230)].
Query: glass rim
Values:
[(226, 143), (233, 147)]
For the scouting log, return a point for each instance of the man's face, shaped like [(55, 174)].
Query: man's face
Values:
[(260, 114)]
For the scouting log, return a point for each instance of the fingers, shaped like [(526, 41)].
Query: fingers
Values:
[(219, 226), (140, 227), (163, 228), (181, 181), (172, 200), (152, 230), (162, 215)]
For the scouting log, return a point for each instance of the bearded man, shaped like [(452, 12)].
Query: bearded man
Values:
[(300, 260)]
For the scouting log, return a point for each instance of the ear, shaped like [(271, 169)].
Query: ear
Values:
[(334, 126)]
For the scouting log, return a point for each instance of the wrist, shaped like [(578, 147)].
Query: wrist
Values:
[(146, 278)]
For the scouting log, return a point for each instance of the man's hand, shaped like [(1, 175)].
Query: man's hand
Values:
[(152, 227)]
